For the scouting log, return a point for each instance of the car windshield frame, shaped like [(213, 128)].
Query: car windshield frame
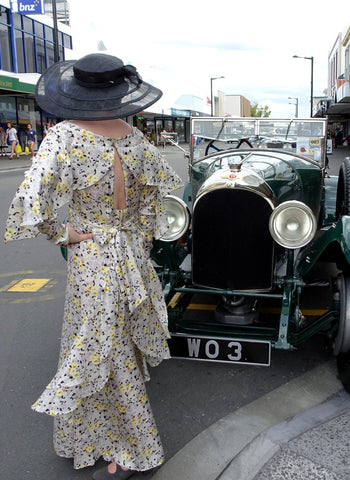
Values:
[(306, 137)]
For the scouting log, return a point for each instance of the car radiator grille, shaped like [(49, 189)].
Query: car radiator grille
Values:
[(232, 245)]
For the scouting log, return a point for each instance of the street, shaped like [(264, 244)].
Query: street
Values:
[(187, 396)]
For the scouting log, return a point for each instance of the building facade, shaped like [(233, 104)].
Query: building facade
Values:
[(27, 48), (337, 104), (236, 106)]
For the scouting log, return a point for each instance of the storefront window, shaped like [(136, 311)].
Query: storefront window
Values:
[(149, 125), (7, 110), (26, 111), (180, 130), (159, 128), (187, 130), (38, 127), (168, 125), (26, 114)]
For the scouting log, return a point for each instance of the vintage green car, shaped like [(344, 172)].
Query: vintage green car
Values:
[(258, 250)]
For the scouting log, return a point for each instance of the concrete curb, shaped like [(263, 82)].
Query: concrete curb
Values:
[(258, 453), (225, 449)]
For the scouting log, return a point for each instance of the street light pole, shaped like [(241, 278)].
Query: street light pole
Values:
[(55, 33), (296, 105), (211, 93), (312, 80)]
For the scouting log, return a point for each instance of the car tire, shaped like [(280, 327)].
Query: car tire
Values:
[(343, 189), (343, 204), (341, 342)]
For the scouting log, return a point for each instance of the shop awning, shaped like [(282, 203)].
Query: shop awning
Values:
[(16, 85)]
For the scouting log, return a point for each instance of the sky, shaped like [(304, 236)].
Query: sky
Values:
[(179, 46)]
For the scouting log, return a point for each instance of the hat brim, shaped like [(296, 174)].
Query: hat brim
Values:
[(58, 93)]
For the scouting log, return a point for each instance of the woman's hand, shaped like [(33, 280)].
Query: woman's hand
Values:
[(75, 237)]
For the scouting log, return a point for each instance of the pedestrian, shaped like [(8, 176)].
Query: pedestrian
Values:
[(3, 144), (115, 320), (339, 139), (46, 129), (11, 135), (31, 138), (162, 136)]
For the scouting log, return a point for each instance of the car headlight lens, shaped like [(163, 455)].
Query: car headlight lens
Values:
[(292, 224), (178, 217)]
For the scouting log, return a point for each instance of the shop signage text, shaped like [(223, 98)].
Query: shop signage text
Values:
[(25, 7)]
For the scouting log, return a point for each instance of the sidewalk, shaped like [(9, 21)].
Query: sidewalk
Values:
[(7, 164), (299, 431), (335, 160)]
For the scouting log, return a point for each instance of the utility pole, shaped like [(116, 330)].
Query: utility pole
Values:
[(56, 51)]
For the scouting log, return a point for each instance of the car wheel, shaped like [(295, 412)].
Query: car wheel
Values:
[(343, 189), (341, 345), (342, 340)]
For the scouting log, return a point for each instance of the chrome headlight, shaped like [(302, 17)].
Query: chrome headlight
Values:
[(292, 224), (178, 217)]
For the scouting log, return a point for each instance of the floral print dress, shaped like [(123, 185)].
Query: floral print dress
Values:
[(115, 319)]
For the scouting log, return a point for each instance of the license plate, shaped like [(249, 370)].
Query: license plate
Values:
[(226, 350)]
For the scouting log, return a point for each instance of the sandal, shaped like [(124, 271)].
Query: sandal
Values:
[(120, 474)]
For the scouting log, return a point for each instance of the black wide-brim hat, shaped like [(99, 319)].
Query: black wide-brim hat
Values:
[(96, 87)]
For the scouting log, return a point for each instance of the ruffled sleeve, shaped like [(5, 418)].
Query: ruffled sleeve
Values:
[(156, 178), (47, 186)]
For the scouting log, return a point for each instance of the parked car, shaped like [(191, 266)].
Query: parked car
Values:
[(258, 252)]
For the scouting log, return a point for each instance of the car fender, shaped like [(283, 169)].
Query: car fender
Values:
[(338, 232)]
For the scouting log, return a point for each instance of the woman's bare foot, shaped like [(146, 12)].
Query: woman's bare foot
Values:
[(112, 467), (113, 472)]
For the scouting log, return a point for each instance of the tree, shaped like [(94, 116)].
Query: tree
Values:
[(257, 111)]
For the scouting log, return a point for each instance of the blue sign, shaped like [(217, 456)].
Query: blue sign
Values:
[(180, 113), (28, 7)]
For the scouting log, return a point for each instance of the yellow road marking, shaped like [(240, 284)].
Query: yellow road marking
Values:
[(29, 285), (31, 272), (36, 299)]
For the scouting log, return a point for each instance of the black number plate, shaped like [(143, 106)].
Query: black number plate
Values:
[(227, 350)]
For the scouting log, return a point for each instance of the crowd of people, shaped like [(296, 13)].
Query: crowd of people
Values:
[(14, 140), (338, 138)]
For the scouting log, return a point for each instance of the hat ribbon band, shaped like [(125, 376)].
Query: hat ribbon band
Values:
[(109, 79)]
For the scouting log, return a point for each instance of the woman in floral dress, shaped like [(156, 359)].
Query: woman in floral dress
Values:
[(115, 320)]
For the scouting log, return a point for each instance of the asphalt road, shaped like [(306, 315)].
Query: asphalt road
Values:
[(186, 396)]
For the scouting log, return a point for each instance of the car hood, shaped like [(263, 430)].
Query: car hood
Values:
[(280, 177)]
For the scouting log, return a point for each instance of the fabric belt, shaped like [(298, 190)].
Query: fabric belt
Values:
[(120, 244)]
